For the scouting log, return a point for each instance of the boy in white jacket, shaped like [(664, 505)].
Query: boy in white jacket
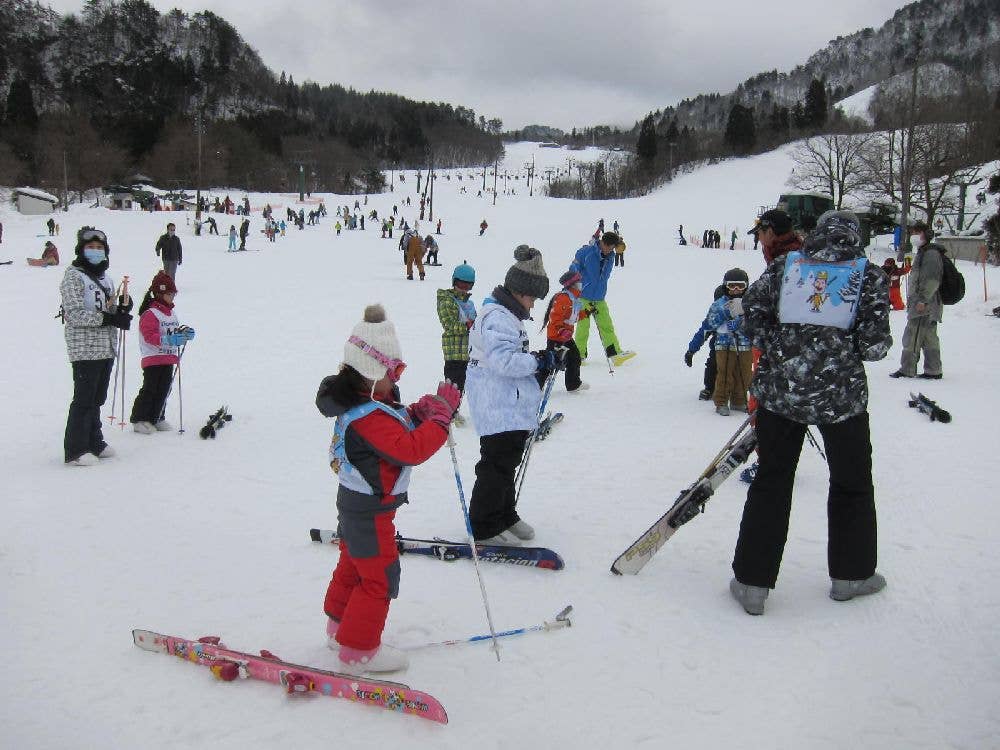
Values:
[(502, 391)]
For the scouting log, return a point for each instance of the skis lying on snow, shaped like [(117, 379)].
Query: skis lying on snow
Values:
[(920, 402), (528, 557), (546, 425), (228, 665), (215, 423), (691, 501)]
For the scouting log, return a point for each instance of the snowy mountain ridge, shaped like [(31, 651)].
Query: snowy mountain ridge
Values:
[(963, 35)]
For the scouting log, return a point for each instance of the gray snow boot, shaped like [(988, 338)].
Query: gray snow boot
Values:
[(522, 530), (843, 591), (751, 598)]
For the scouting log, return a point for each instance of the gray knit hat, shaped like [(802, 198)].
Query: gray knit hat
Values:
[(527, 276)]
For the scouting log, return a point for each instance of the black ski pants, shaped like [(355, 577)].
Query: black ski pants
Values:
[(572, 362), (152, 397), (851, 546), (491, 509), (83, 424), (711, 367), (455, 371)]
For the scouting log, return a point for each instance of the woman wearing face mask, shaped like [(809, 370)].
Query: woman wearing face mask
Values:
[(92, 318)]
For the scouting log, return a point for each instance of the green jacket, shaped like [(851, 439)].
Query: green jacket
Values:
[(455, 336)]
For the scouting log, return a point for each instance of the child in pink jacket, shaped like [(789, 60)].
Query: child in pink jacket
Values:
[(162, 337)]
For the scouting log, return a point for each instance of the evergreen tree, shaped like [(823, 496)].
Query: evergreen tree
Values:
[(741, 134), (21, 120), (672, 132), (778, 122), (815, 109), (21, 111), (645, 146)]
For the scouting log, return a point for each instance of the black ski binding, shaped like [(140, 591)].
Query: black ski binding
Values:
[(215, 423), (920, 402)]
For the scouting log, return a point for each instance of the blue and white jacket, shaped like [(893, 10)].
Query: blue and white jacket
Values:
[(719, 318), (500, 387)]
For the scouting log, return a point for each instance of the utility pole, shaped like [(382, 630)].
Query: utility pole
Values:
[(65, 184), (906, 169), (496, 164), (531, 184), (302, 183), (484, 177), (197, 190), (430, 179)]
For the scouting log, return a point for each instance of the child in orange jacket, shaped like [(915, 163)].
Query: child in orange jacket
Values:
[(564, 311)]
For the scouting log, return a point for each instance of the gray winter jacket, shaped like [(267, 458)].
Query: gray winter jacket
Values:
[(923, 282), (809, 373)]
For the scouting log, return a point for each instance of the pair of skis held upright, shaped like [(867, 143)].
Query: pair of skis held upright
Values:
[(690, 502)]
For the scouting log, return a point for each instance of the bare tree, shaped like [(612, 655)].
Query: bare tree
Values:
[(929, 173), (944, 156), (832, 163), (67, 146)]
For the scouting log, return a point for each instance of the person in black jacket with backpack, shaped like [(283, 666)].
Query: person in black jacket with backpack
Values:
[(924, 307)]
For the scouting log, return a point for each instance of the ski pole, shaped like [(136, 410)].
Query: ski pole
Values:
[(812, 439), (522, 470), (180, 390), (122, 300), (114, 386), (561, 621), (472, 543), (600, 336)]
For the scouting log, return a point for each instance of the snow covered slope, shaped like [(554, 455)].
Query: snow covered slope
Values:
[(199, 537)]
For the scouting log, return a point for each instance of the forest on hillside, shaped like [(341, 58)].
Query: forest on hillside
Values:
[(120, 88)]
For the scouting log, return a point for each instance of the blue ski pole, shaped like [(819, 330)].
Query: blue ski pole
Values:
[(472, 543), (561, 621)]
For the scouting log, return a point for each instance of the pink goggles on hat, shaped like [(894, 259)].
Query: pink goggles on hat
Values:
[(394, 367)]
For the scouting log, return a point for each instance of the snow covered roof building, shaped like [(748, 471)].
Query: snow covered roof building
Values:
[(34, 202)]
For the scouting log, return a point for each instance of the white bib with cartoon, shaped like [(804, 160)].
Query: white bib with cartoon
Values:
[(822, 293)]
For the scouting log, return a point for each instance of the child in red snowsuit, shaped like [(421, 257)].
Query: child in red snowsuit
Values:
[(896, 275), (376, 441)]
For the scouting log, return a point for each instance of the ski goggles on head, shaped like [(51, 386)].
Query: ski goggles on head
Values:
[(89, 233), (394, 367), (737, 285)]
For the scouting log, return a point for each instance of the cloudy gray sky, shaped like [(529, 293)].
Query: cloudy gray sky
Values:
[(554, 62)]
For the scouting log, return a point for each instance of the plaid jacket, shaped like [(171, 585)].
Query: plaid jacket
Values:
[(455, 336), (83, 301)]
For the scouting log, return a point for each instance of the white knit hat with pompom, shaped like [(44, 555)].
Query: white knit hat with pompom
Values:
[(378, 332)]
